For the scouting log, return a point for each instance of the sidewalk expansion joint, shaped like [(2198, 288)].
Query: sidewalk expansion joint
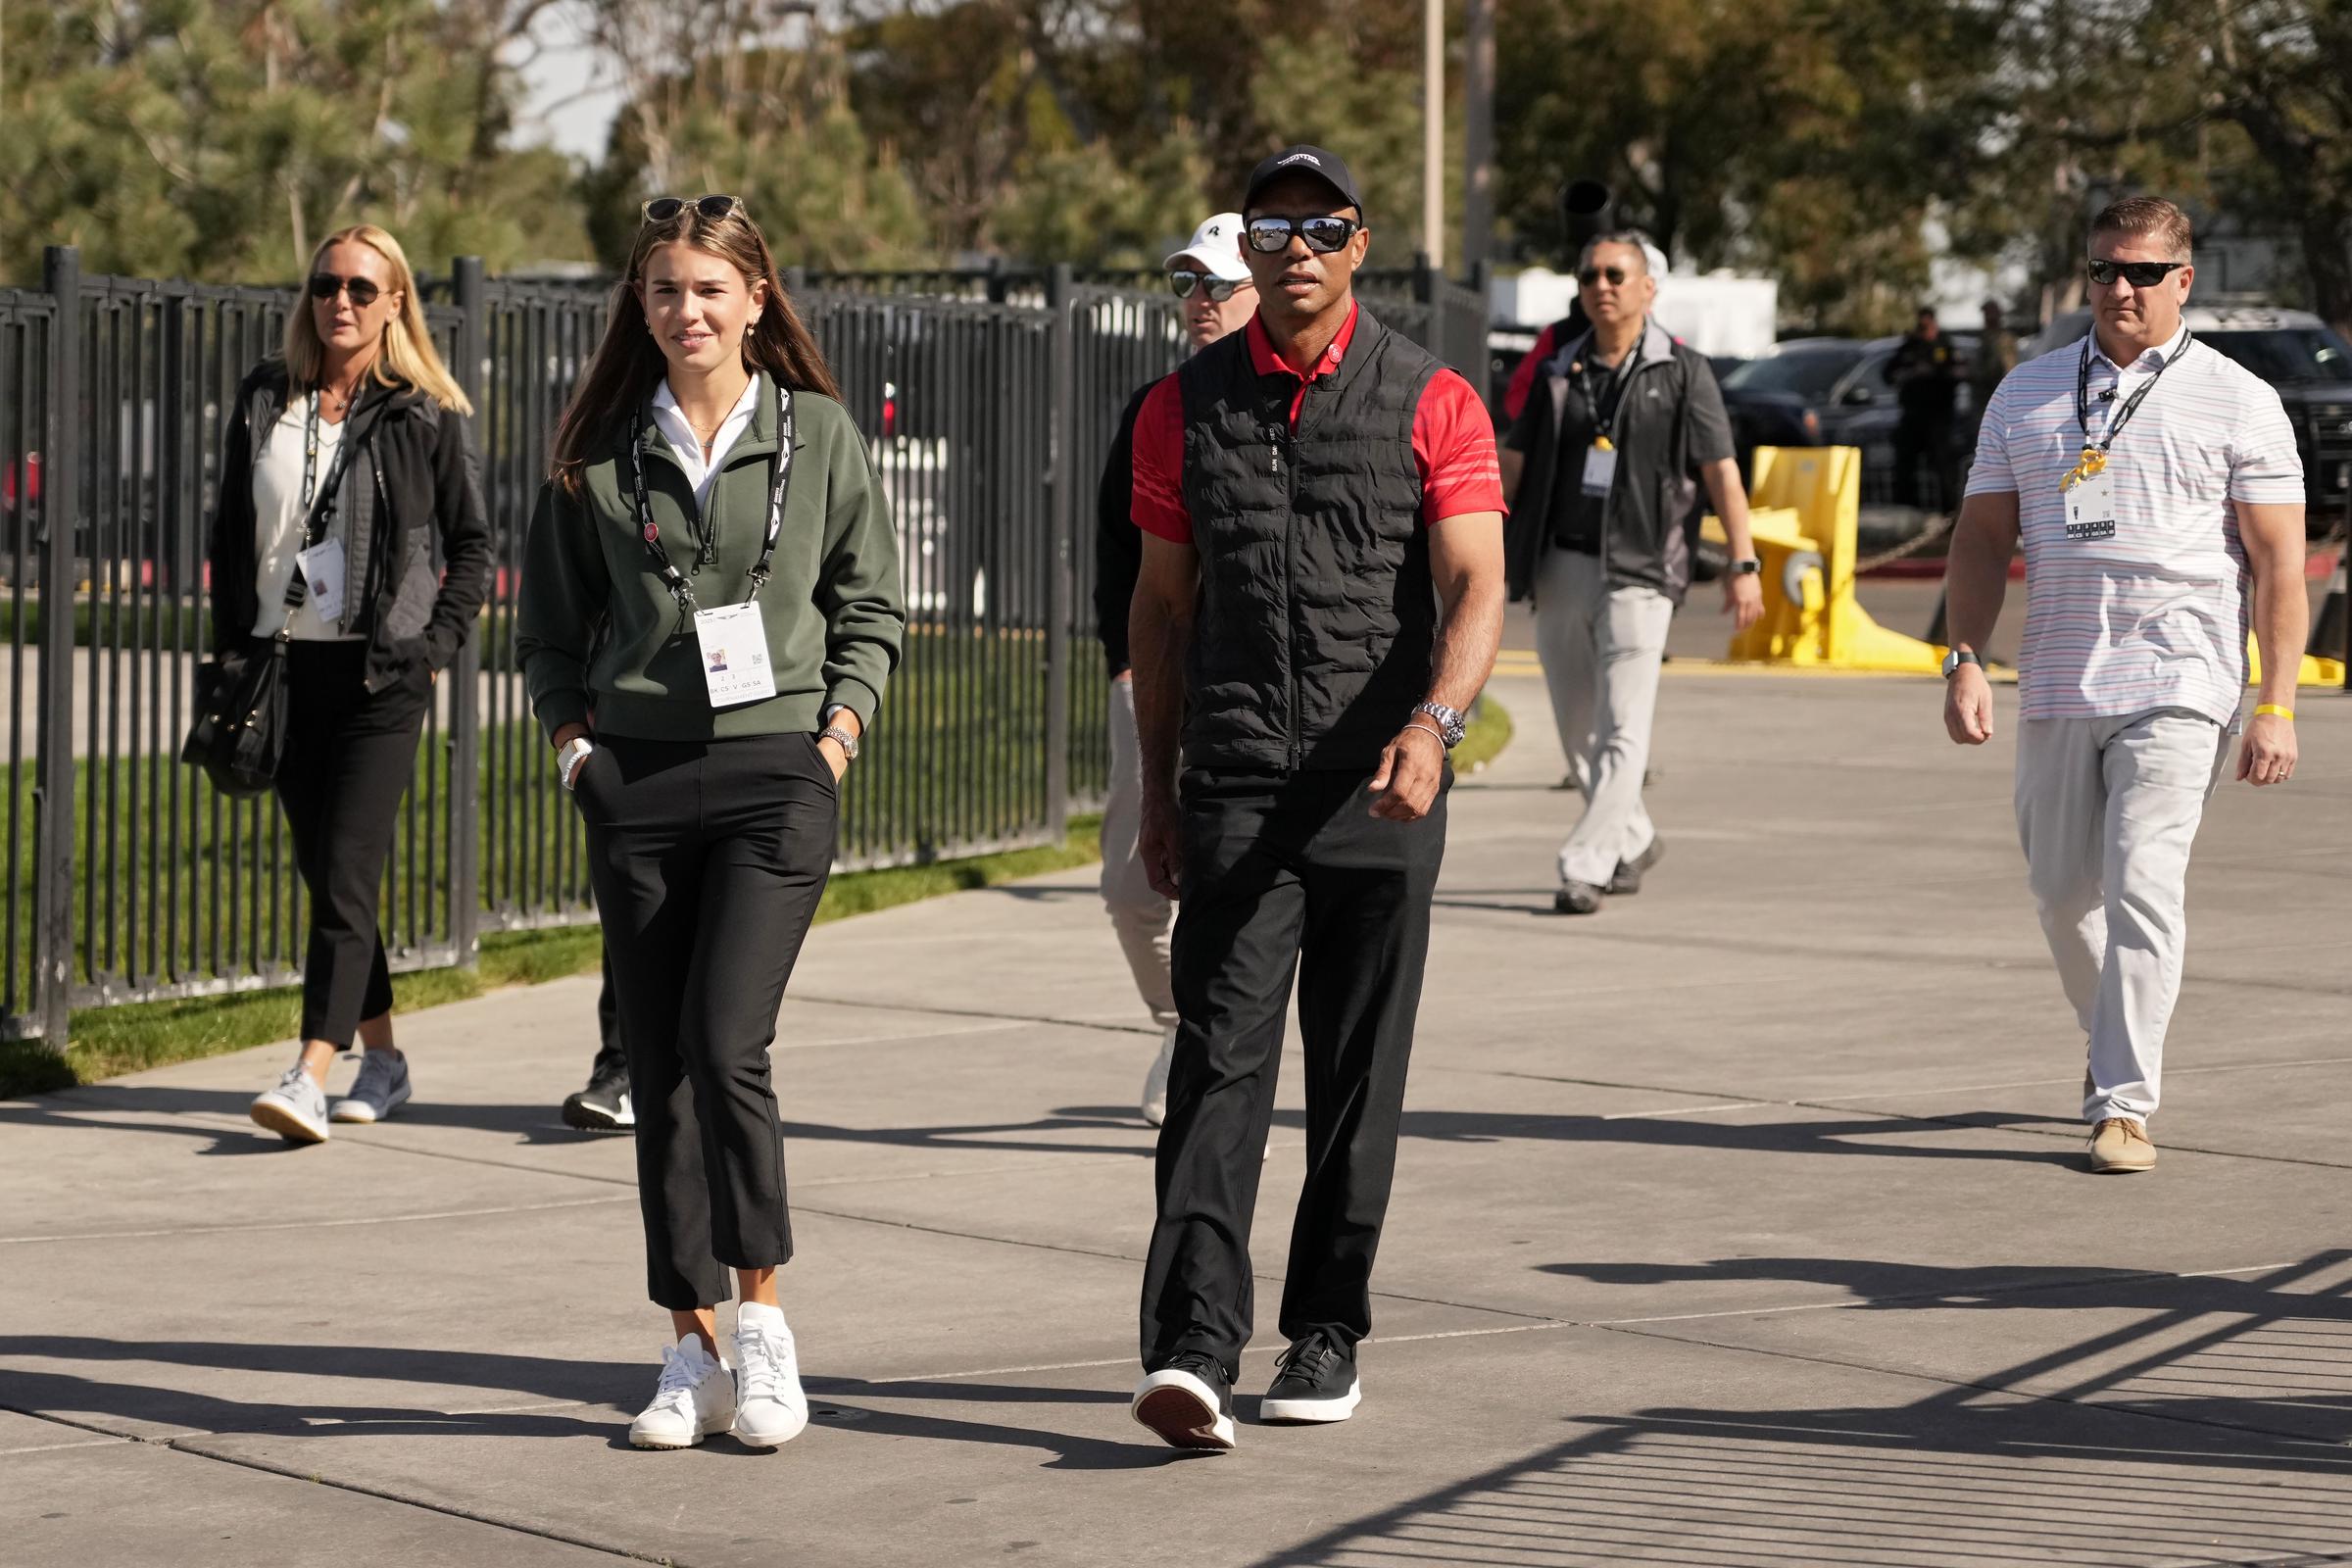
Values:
[(873, 1005)]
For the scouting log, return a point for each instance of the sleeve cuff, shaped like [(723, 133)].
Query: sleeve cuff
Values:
[(559, 708), (854, 694)]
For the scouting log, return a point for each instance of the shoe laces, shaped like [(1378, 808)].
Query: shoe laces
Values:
[(1309, 1359), (681, 1375), (294, 1081), (762, 1357)]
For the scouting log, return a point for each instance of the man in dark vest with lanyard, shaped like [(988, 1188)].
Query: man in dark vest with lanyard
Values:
[(1321, 596)]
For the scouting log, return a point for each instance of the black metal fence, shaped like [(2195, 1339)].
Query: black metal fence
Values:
[(989, 401)]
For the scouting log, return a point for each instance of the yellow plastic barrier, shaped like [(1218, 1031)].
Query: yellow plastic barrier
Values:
[(2316, 671), (1806, 511)]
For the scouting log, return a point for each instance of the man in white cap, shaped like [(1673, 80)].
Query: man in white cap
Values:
[(1209, 276)]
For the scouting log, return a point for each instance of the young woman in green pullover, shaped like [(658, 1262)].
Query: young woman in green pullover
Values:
[(710, 611)]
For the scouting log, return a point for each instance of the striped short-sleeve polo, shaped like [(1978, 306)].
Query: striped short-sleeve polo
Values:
[(2154, 615)]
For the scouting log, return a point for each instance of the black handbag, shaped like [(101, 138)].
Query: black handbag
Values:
[(241, 732)]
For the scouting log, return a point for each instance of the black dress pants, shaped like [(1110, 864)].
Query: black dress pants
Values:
[(1284, 875), (350, 754), (708, 859)]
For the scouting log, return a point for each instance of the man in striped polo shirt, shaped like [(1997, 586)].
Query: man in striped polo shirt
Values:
[(2153, 481)]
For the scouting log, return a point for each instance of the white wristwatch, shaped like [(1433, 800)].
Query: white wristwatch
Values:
[(569, 759)]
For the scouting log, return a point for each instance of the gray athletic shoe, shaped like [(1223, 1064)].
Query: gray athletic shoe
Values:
[(295, 1111), (381, 1087)]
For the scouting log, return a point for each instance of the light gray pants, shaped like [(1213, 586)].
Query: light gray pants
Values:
[(1601, 648), (1140, 917), (2107, 809)]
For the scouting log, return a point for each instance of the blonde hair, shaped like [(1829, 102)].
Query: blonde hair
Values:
[(405, 357)]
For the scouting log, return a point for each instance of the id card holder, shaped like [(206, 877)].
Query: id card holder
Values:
[(1601, 469), (2090, 507), (734, 652), (321, 569)]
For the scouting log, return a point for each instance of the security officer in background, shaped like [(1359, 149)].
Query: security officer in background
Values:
[(1925, 378)]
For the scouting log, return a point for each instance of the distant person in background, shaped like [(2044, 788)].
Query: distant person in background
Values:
[(1604, 464), (351, 523), (1212, 279), (1996, 356), (1924, 377)]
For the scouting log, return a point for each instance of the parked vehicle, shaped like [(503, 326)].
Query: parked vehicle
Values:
[(2294, 351)]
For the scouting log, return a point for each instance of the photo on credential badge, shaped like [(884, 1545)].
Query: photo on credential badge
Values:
[(719, 659)]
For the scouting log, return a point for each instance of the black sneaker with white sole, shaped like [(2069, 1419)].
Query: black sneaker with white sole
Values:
[(1314, 1380), (603, 1105), (1189, 1403)]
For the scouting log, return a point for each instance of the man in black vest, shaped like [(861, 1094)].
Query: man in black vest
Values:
[(1310, 489)]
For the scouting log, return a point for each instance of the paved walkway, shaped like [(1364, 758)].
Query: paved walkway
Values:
[(1742, 1224)]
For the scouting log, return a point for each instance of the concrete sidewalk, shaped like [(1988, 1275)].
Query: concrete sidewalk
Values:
[(1741, 1224)]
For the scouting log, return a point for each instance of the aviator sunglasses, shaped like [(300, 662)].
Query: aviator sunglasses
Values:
[(363, 291), (662, 209), (2139, 274), (1183, 281), (1615, 276), (1270, 234)]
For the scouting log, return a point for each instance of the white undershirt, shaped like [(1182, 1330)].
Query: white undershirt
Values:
[(279, 517), (671, 419)]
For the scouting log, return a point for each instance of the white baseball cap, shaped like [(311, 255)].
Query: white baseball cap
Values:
[(1216, 246)]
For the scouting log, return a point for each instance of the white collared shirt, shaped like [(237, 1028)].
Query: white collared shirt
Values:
[(671, 419), (2155, 615)]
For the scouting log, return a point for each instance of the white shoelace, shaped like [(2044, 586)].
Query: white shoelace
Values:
[(680, 1377), (292, 1082), (761, 1361)]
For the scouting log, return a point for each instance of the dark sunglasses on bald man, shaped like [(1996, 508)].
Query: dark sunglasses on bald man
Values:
[(1270, 234), (1615, 276), (2139, 274), (363, 290), (1183, 281), (662, 209)]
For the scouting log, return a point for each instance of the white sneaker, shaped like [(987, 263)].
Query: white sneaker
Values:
[(381, 1087), (770, 1407), (295, 1111), (1155, 1082), (694, 1399)]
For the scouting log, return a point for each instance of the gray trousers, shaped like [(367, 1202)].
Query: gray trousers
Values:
[(2107, 809), (1601, 649), (1140, 917)]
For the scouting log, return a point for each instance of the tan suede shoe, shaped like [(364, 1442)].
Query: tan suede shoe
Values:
[(2119, 1144)]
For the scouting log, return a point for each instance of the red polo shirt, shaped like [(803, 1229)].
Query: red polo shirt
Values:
[(1453, 441)]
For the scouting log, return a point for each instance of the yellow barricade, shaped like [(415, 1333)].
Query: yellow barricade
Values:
[(1806, 512)]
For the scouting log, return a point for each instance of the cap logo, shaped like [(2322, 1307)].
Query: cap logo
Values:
[(1299, 157)]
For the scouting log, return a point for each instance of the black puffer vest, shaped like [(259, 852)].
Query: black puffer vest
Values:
[(1317, 620)]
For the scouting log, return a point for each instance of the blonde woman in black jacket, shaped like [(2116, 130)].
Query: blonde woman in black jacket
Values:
[(348, 485)]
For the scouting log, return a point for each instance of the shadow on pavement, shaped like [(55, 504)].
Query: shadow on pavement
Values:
[(2210, 1429)]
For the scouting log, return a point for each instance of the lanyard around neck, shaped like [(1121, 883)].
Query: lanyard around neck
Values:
[(1610, 398), (2094, 453), (780, 474)]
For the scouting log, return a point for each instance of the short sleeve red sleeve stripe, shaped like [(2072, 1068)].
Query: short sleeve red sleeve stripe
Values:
[(1453, 446), (1158, 504)]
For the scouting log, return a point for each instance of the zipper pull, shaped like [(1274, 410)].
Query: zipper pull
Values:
[(1273, 458)]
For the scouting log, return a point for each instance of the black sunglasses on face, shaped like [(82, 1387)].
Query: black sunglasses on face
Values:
[(662, 209), (1323, 235), (2139, 274), (1183, 281), (363, 290), (1616, 275)]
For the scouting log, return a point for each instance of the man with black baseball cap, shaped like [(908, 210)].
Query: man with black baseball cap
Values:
[(1302, 486)]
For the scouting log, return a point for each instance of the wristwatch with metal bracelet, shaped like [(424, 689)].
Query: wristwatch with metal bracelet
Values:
[(1450, 725)]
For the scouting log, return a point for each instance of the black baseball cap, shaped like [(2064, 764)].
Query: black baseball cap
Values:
[(1303, 159)]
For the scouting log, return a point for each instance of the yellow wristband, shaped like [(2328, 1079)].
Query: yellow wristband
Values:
[(2276, 710)]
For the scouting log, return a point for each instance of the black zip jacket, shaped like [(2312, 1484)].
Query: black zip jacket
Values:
[(416, 530)]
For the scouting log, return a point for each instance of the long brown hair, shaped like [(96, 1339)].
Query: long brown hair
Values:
[(407, 355), (628, 363)]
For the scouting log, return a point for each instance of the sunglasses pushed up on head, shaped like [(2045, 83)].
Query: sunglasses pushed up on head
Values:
[(2139, 274), (1182, 280), (1270, 235), (710, 208)]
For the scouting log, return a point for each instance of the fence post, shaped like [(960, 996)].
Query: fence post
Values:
[(1061, 416), (465, 670), (54, 805)]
